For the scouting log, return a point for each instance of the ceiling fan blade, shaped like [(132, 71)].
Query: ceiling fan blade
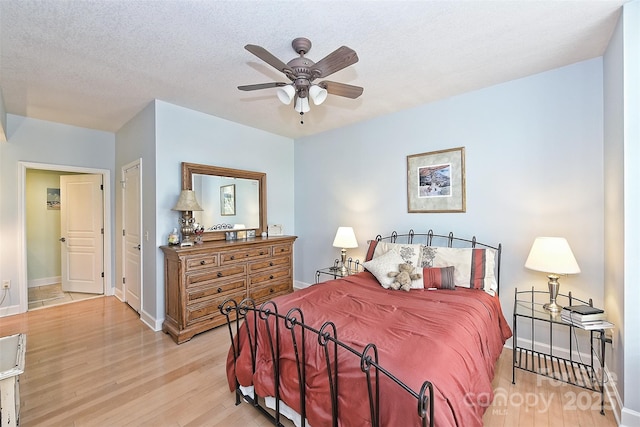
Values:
[(341, 89), (269, 58), (335, 61), (261, 86)]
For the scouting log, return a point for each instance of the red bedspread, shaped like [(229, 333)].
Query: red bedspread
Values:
[(450, 337)]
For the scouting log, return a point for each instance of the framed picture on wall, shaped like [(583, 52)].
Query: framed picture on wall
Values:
[(228, 200), (53, 199), (436, 181)]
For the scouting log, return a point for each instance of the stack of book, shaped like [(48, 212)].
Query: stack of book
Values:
[(585, 317)]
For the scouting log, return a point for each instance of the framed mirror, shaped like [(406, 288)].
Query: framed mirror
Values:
[(231, 199)]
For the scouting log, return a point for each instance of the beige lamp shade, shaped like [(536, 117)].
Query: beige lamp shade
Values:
[(345, 238), (187, 202), (552, 255)]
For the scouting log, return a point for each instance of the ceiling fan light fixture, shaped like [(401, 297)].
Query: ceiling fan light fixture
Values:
[(318, 94), (286, 94), (302, 105)]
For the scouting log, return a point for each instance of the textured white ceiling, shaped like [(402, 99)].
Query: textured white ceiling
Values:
[(96, 64)]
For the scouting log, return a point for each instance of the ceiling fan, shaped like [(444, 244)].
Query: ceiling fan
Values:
[(302, 72)]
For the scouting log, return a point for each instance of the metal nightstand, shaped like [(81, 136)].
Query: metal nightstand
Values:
[(353, 266), (542, 358)]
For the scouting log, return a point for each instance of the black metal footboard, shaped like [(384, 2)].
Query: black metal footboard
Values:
[(246, 315)]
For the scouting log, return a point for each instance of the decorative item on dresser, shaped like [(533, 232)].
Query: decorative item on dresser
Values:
[(199, 278), (187, 204)]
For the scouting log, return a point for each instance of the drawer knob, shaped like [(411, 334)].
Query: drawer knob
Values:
[(271, 290), (246, 254), (233, 257), (282, 249), (261, 253), (271, 264), (203, 262), (271, 277), (219, 290), (219, 274)]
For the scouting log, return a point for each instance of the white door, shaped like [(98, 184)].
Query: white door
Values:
[(81, 226), (131, 229)]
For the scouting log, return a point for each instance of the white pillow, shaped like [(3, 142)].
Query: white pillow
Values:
[(410, 254), (382, 265), (474, 268)]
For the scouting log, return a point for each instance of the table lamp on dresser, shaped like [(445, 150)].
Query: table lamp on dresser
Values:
[(186, 204)]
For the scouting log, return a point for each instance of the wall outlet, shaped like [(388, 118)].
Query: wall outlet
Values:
[(6, 284)]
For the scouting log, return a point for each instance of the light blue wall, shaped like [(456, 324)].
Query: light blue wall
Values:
[(184, 135), (614, 282), (631, 24), (39, 141), (533, 168), (622, 207), (136, 140)]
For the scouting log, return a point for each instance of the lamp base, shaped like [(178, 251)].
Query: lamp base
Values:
[(552, 307), (554, 287)]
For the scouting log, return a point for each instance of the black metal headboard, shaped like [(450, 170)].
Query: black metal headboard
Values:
[(431, 239)]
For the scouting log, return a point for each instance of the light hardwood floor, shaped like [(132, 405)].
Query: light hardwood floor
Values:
[(93, 363)]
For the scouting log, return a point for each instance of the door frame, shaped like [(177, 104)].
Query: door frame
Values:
[(22, 218)]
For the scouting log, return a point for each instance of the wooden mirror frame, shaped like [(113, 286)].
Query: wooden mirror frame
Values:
[(188, 169)]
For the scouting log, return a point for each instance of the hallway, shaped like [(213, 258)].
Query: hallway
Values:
[(50, 295)]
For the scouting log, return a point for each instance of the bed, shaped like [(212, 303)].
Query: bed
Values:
[(366, 354)]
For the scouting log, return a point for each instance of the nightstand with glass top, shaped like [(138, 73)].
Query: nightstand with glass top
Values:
[(336, 271), (547, 358)]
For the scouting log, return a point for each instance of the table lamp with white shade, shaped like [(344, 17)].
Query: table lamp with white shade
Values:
[(552, 255), (345, 239)]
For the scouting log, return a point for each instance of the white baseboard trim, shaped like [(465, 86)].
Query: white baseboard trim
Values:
[(150, 321), (118, 294), (44, 281), (10, 310), (297, 284), (629, 418)]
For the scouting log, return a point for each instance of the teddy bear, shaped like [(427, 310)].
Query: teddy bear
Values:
[(404, 277)]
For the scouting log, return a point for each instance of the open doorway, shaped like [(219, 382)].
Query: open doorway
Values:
[(47, 253)]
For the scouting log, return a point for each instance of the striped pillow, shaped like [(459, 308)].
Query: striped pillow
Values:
[(438, 277)]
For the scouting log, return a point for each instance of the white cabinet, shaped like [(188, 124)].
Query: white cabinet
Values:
[(12, 349)]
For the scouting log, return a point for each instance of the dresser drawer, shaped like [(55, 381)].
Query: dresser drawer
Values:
[(268, 264), (215, 274), (261, 279), (200, 262), (245, 254), (208, 310), (214, 290), (261, 294), (283, 249)]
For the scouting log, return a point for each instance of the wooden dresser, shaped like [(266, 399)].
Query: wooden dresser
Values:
[(199, 278)]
